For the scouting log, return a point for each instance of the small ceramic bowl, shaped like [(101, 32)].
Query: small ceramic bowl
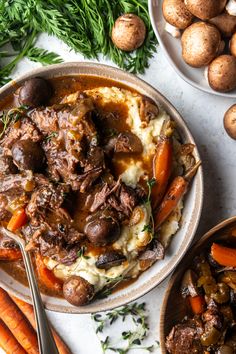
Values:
[(172, 49), (173, 307), (192, 204)]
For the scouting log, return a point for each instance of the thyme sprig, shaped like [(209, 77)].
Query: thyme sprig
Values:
[(150, 226), (10, 117), (131, 339)]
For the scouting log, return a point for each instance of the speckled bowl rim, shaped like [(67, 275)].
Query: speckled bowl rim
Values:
[(132, 81), (190, 255)]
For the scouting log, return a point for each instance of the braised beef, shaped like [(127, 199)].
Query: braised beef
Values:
[(7, 165), (212, 317), (35, 92), (129, 143), (185, 338)]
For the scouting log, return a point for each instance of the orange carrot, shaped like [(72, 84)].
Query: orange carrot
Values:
[(162, 162), (28, 311), (10, 254), (46, 276), (18, 219), (197, 304), (175, 192), (18, 324), (8, 342), (225, 256)]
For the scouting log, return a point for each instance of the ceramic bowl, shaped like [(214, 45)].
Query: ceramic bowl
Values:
[(192, 208), (173, 307), (172, 49)]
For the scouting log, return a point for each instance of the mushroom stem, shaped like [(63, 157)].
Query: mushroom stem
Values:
[(174, 31), (231, 7)]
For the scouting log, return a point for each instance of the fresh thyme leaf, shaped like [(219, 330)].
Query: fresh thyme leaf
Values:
[(131, 339), (43, 56), (10, 117), (147, 228), (81, 253), (51, 135)]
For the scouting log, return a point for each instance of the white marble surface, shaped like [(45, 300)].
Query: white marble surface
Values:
[(204, 116)]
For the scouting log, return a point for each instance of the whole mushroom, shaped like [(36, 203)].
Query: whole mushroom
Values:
[(201, 43), (205, 9), (78, 291), (225, 23), (222, 73), (176, 13), (230, 121), (231, 7), (232, 45), (35, 92), (128, 32)]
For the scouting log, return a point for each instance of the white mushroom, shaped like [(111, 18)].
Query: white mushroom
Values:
[(232, 45), (176, 13), (230, 121), (175, 32), (225, 23), (222, 73), (231, 7), (205, 9), (201, 43)]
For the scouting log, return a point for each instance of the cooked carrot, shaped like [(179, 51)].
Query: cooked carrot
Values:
[(162, 163), (8, 342), (18, 219), (10, 254), (46, 276), (18, 324), (197, 304), (175, 192), (28, 311), (225, 256)]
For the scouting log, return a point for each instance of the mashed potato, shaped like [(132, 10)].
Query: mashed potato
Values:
[(132, 238)]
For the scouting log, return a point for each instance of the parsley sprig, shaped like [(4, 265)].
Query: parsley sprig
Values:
[(131, 339)]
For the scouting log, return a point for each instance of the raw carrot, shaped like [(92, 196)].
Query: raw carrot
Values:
[(46, 276), (10, 254), (28, 311), (197, 304), (18, 219), (18, 324), (8, 342), (162, 163), (225, 256), (175, 192)]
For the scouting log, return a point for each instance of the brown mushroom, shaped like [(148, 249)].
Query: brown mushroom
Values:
[(78, 291), (222, 73), (231, 7), (225, 23), (148, 109), (201, 43), (230, 121), (128, 32), (232, 45), (189, 284), (110, 259), (35, 92), (128, 142), (176, 13), (205, 9)]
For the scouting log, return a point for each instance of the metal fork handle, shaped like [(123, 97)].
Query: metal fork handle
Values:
[(45, 338)]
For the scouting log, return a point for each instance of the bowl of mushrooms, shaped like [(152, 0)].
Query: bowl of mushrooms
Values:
[(199, 40)]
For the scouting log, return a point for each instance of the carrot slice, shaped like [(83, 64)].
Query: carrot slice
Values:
[(18, 219), (10, 254), (176, 190), (8, 342), (197, 304), (28, 311), (162, 163), (225, 256), (18, 324), (46, 276)]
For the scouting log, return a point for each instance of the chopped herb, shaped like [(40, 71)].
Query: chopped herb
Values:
[(81, 253), (131, 339), (110, 285), (51, 135), (10, 117), (148, 228)]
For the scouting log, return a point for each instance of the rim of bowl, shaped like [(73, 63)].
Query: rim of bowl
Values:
[(172, 63), (132, 81), (200, 243)]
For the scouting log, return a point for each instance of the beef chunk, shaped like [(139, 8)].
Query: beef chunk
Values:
[(185, 338), (212, 317), (7, 166)]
